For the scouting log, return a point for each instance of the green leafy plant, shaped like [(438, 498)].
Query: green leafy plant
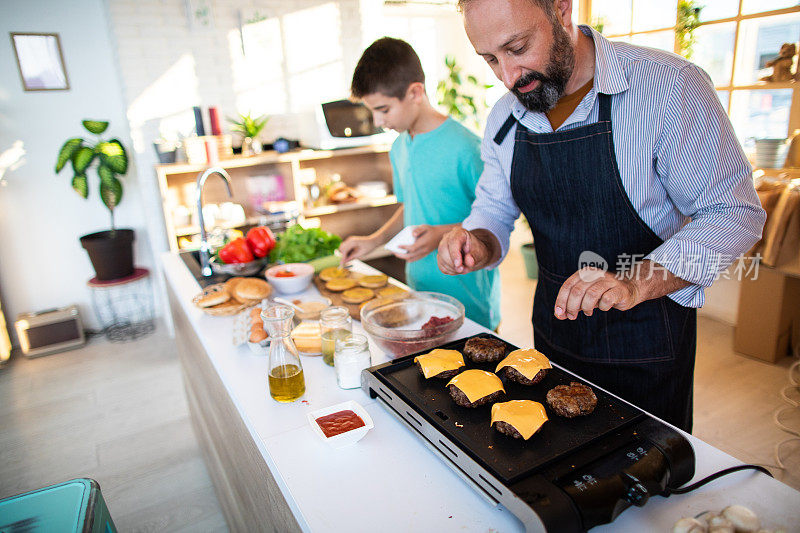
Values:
[(599, 24), (298, 245), (462, 96), (111, 158), (247, 125), (688, 21)]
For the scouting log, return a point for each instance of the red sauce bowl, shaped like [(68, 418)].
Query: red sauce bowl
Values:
[(345, 438)]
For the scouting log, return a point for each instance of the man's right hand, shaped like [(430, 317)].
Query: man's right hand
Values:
[(355, 247), (462, 251)]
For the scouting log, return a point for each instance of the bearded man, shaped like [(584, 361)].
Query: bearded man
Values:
[(628, 170)]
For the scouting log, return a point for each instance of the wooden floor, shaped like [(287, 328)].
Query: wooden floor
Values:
[(117, 413)]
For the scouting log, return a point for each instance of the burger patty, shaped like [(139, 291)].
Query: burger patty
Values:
[(513, 374), (575, 399), (507, 429), (447, 374), (461, 399), (484, 350)]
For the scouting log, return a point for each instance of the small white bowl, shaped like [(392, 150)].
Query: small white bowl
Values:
[(349, 437), (303, 272)]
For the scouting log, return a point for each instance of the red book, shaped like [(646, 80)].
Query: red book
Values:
[(213, 117)]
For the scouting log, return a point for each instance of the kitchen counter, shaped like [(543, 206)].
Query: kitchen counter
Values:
[(271, 472)]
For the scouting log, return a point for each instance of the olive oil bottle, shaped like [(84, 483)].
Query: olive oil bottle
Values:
[(285, 374), (286, 383)]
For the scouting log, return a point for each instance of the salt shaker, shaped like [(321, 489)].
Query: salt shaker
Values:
[(350, 357)]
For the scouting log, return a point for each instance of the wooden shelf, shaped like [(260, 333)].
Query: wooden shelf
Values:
[(272, 157), (360, 204), (185, 231)]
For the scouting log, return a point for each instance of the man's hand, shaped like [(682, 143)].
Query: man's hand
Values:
[(355, 247), (591, 288), (462, 251), (427, 240)]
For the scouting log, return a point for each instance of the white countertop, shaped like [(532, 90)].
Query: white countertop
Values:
[(389, 480)]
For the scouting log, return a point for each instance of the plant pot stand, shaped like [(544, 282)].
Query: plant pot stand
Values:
[(124, 306)]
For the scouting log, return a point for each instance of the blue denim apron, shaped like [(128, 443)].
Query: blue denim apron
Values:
[(568, 186)]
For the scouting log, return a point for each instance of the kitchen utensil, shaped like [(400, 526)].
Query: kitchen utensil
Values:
[(349, 437), (285, 375), (395, 323), (299, 281), (570, 476)]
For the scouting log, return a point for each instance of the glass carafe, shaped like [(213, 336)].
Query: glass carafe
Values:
[(286, 381)]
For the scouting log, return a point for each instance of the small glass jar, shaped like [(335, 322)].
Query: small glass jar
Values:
[(334, 324), (351, 356)]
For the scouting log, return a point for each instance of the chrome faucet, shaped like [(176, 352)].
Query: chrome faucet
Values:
[(205, 248)]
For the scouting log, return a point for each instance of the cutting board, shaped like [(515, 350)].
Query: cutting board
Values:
[(336, 298)]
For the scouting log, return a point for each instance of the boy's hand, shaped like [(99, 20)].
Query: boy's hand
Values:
[(427, 240), (355, 247)]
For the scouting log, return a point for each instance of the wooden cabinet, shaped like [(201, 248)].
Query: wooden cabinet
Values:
[(354, 165)]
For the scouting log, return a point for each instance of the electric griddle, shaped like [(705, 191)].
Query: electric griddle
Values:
[(572, 475)]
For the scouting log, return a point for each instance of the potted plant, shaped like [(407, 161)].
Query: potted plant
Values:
[(688, 21), (111, 252), (249, 128), (462, 100)]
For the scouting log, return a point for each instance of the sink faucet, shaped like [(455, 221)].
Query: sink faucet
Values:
[(205, 248)]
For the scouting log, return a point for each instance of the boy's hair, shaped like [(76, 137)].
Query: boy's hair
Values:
[(389, 66)]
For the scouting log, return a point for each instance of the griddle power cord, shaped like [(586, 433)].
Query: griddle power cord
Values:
[(712, 477)]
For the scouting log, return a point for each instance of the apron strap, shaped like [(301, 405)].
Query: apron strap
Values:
[(605, 107), (503, 131)]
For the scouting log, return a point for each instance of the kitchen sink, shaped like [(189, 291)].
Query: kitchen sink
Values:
[(191, 259)]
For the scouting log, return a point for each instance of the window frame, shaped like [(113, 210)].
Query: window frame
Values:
[(794, 111)]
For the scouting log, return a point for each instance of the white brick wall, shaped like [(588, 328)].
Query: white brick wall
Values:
[(167, 67)]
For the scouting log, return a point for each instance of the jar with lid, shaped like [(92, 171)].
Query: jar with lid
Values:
[(285, 372), (350, 357), (334, 324)]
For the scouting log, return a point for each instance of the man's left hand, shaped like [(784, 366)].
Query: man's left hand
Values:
[(591, 288)]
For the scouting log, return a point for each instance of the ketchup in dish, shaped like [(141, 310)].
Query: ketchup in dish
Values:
[(339, 422)]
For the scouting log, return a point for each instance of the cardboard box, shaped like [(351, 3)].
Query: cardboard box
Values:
[(769, 315)]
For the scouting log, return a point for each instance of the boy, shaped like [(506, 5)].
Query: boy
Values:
[(436, 165)]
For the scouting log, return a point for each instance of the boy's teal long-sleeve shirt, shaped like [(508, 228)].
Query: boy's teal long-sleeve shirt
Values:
[(435, 175)]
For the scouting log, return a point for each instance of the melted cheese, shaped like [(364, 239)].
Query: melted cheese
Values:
[(476, 384), (438, 361), (526, 362), (526, 416)]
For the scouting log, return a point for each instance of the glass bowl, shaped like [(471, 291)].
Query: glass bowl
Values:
[(402, 324)]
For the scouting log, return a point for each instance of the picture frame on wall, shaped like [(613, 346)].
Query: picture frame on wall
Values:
[(40, 61)]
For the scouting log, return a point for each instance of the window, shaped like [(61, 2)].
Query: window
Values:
[(733, 43)]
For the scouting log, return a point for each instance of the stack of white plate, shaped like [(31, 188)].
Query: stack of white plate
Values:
[(372, 189), (770, 153)]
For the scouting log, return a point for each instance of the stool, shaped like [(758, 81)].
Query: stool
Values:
[(124, 306), (74, 506)]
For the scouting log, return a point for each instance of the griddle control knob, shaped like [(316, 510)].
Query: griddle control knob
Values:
[(637, 493)]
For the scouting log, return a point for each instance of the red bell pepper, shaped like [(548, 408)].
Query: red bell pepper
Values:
[(236, 251), (261, 241)]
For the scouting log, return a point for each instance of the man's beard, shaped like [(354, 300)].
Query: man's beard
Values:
[(552, 84)]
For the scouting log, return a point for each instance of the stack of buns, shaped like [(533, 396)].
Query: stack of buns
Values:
[(232, 296)]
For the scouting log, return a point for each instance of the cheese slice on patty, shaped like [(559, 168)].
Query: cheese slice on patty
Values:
[(526, 362), (438, 361), (526, 416), (476, 384)]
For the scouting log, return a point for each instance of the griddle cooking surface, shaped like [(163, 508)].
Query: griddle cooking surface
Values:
[(506, 458)]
